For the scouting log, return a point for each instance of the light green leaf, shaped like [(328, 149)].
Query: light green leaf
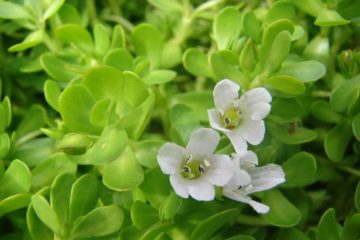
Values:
[(143, 215), (53, 8), (46, 214), (167, 5), (84, 196), (101, 39), (171, 206), (279, 51), (14, 202), (327, 18), (68, 14), (148, 42), (124, 173), (102, 113), (247, 58), (285, 84), (119, 58), (196, 62), (118, 38), (296, 166), (292, 134), (9, 10), (31, 40), (328, 227), (343, 96), (56, 68), (76, 35), (4, 145), (75, 143), (282, 213), (252, 27), (146, 152), (52, 93), (99, 222), (37, 229), (16, 179), (336, 141), (322, 110), (280, 10), (156, 229), (159, 77), (226, 27), (306, 71), (286, 110)]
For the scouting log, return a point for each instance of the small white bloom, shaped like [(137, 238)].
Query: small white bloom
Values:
[(248, 179), (241, 119), (195, 170)]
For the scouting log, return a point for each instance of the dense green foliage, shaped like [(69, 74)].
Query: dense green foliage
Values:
[(90, 90)]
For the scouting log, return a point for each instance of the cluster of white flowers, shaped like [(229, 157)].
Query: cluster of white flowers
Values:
[(195, 170)]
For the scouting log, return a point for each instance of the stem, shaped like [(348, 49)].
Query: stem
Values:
[(320, 93), (251, 220), (92, 11), (120, 20), (350, 170)]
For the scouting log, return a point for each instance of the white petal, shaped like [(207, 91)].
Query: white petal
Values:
[(201, 190), (266, 177), (215, 120), (240, 178), (237, 196), (256, 95), (249, 157), (236, 137), (180, 185), (203, 143), (254, 131), (225, 93), (220, 170), (258, 111), (171, 157)]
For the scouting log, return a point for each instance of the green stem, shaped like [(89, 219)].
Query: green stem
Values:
[(322, 94), (120, 20)]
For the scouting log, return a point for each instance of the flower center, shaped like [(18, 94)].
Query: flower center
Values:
[(231, 118), (193, 169)]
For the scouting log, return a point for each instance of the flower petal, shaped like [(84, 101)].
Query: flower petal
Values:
[(225, 93), (215, 120), (171, 157), (266, 177), (257, 95), (249, 157), (258, 207), (220, 170), (254, 131), (237, 139), (258, 111), (180, 185), (203, 143), (201, 190), (239, 178)]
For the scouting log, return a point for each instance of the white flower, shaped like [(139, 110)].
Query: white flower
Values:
[(195, 170), (241, 119), (248, 179)]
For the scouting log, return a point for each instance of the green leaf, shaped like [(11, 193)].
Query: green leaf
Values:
[(285, 84), (156, 229), (328, 227), (286, 110), (146, 152), (68, 14), (357, 197), (197, 63), (14, 202), (9, 10), (293, 234), (44, 174), (53, 8), (280, 10), (33, 120), (102, 113), (279, 51), (351, 228), (143, 215), (167, 5), (76, 35), (210, 225), (101, 39), (52, 93), (343, 96), (4, 145), (46, 214), (124, 173), (241, 237), (292, 134), (56, 68), (31, 40), (271, 32), (84, 196), (247, 59), (16, 179), (224, 64), (252, 27), (37, 229), (327, 18), (171, 206), (35, 151), (305, 71), (321, 110), (75, 143), (99, 222), (296, 166), (119, 58), (110, 146), (282, 213), (118, 37), (226, 27), (77, 116), (171, 55), (105, 82), (60, 197), (336, 141), (148, 42), (159, 77)]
